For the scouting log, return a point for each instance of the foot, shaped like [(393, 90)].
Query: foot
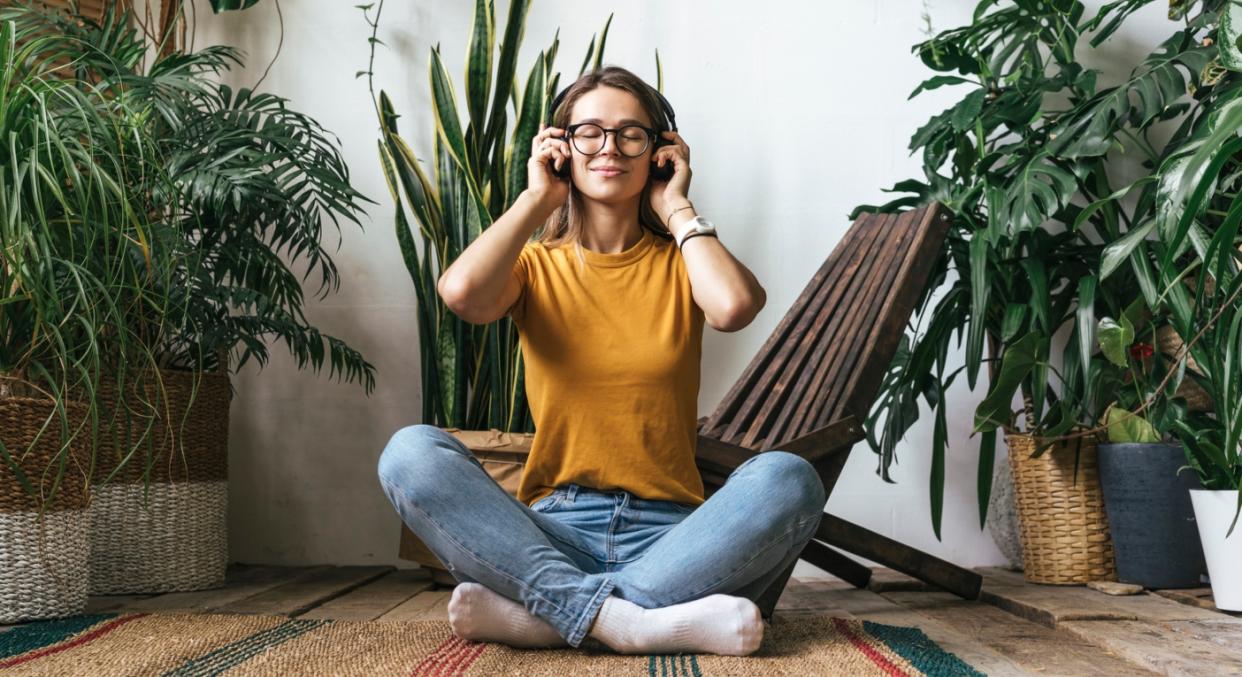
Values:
[(479, 614), (716, 624)]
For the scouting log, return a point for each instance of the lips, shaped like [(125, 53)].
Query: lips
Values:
[(608, 171)]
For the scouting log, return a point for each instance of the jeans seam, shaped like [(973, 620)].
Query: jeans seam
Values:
[(485, 563), (798, 525), (580, 627)]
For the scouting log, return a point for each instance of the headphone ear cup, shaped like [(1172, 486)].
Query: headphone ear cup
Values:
[(666, 172)]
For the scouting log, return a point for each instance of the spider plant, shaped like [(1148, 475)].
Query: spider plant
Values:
[(80, 255), (472, 374)]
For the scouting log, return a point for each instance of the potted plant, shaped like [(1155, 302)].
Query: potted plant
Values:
[(78, 253), (1200, 236), (244, 188), (1023, 161), (1150, 517)]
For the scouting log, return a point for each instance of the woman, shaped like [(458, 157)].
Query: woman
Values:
[(610, 536)]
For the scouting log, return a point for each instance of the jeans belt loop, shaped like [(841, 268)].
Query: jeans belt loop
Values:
[(571, 492)]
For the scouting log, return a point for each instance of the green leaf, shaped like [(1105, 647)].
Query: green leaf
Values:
[(218, 6), (1229, 36), (1123, 427), (997, 408), (1085, 317), (1115, 339)]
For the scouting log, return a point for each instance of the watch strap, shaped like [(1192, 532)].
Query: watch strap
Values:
[(696, 234)]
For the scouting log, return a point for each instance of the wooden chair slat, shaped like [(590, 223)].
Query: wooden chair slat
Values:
[(835, 344), (855, 345), (726, 421)]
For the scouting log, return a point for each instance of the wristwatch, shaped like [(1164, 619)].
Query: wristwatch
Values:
[(698, 224)]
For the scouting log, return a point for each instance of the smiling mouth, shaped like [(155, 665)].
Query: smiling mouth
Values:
[(608, 172)]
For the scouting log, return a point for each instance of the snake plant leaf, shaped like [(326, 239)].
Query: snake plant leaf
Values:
[(603, 39), (444, 105), (1115, 339), (530, 115), (1016, 364), (479, 72), (659, 72), (515, 27), (590, 55), (1011, 324)]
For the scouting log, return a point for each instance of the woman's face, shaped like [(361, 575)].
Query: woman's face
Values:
[(610, 108)]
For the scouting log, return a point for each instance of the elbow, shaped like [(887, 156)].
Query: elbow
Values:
[(456, 298), (741, 314)]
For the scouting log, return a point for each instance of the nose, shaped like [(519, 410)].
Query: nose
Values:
[(610, 138)]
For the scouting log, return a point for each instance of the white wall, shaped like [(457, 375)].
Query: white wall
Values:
[(303, 449)]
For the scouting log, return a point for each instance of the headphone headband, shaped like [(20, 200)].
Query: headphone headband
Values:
[(669, 115)]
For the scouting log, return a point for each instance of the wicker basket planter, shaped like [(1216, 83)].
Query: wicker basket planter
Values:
[(43, 562), (175, 538), (503, 455), (1063, 525)]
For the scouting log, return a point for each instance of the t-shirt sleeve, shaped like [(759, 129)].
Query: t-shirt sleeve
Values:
[(521, 269)]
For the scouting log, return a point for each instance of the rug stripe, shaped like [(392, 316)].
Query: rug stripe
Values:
[(915, 646), (77, 641), (467, 655), (448, 668), (23, 638), (435, 662), (674, 665), (227, 656), (869, 651)]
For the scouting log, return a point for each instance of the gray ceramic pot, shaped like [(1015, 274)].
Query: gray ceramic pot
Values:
[(1150, 514)]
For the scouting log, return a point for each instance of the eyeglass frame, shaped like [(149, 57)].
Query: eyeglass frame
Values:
[(651, 136)]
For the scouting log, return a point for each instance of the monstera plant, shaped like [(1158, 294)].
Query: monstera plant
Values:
[(1026, 160)]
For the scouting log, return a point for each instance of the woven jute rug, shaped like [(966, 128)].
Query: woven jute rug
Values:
[(212, 644)]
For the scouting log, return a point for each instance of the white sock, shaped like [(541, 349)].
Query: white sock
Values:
[(480, 614), (717, 624)]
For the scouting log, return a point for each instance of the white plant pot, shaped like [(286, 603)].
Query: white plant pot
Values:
[(1214, 511)]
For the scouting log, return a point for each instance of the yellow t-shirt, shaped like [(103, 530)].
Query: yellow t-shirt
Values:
[(612, 350)]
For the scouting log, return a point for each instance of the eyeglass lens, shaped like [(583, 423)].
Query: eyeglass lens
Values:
[(631, 140)]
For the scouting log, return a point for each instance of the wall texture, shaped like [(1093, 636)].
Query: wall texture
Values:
[(795, 112)]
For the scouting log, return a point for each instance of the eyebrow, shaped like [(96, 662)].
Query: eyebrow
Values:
[(626, 121)]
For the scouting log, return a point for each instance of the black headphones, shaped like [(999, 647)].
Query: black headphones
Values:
[(657, 172)]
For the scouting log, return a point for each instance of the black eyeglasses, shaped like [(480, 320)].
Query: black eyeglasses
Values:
[(589, 138)]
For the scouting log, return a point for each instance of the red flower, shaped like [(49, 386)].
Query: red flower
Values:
[(1141, 350)]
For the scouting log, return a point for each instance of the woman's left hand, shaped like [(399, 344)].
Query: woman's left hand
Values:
[(666, 195)]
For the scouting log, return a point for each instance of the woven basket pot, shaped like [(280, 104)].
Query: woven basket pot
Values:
[(503, 455), (174, 538), (1063, 526), (43, 561)]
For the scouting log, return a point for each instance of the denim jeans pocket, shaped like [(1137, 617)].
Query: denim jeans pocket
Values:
[(548, 501)]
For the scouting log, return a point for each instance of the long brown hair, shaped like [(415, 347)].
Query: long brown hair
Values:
[(565, 225)]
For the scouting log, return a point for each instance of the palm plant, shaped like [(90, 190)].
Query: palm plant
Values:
[(248, 180), (1023, 161), (472, 374)]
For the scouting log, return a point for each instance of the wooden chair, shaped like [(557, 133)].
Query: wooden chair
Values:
[(814, 381)]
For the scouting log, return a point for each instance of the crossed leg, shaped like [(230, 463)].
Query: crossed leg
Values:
[(735, 544)]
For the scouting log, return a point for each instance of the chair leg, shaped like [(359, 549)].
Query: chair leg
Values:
[(768, 599), (836, 564), (896, 555)]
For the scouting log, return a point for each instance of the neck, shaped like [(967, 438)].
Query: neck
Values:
[(610, 228)]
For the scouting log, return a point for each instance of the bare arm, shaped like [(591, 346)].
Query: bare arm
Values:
[(480, 285)]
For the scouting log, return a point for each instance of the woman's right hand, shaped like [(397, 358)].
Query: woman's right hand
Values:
[(548, 149)]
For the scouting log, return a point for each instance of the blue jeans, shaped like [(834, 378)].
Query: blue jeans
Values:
[(562, 556)]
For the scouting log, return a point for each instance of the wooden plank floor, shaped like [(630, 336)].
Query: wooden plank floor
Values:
[(1016, 628)]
